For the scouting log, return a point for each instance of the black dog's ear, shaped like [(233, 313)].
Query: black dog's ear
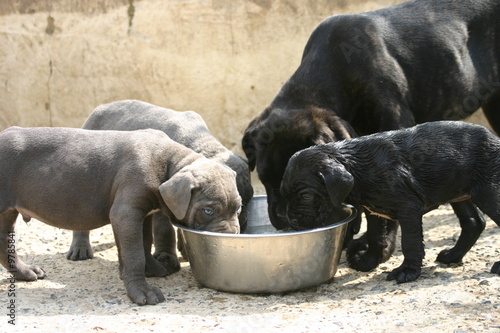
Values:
[(339, 183), (330, 128), (249, 149), (341, 128)]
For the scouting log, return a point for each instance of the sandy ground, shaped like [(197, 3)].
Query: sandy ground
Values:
[(88, 296)]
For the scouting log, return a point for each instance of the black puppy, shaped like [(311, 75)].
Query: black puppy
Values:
[(399, 175)]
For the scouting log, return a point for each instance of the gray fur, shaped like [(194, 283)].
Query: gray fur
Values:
[(187, 128), (79, 180)]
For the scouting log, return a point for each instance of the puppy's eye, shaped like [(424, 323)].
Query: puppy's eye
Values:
[(239, 210), (306, 197), (208, 211)]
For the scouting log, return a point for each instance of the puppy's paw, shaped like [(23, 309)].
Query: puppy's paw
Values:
[(80, 253), (360, 257), (495, 269), (449, 256), (154, 268), (143, 293), (405, 273), (29, 273), (357, 246), (363, 261), (169, 261)]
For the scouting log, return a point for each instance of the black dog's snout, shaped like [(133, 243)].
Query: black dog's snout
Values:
[(294, 224), (281, 214)]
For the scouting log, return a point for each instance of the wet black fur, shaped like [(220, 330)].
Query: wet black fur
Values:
[(415, 62), (402, 175)]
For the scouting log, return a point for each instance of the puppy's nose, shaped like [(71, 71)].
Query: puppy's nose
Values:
[(281, 211), (294, 224)]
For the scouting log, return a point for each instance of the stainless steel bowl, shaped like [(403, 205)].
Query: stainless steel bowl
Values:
[(264, 260)]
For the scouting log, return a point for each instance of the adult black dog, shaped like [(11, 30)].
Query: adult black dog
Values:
[(420, 61), (399, 175)]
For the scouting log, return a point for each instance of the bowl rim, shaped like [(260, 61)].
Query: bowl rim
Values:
[(348, 219)]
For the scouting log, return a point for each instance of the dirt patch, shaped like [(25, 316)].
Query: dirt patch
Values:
[(88, 296)]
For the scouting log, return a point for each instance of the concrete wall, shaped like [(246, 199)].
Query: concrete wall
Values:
[(225, 59)]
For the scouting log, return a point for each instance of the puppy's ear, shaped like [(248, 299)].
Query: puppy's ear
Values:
[(339, 183), (176, 192), (249, 149)]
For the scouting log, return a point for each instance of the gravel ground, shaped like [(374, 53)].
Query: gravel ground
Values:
[(88, 296)]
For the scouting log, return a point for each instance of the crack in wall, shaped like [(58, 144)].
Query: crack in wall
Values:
[(47, 104), (131, 13), (49, 31), (51, 27)]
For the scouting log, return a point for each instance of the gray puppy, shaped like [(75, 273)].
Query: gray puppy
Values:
[(400, 175), (80, 180), (187, 128)]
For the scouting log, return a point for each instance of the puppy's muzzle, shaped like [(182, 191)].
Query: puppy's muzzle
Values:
[(227, 227), (294, 223)]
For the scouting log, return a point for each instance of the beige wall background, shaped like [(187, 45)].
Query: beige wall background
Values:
[(225, 59)]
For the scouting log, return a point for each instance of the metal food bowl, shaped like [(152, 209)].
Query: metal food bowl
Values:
[(264, 260)]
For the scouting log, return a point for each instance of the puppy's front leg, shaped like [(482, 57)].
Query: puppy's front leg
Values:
[(165, 243), (412, 243), (153, 266), (127, 224)]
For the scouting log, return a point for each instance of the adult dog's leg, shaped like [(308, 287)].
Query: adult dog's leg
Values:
[(80, 248), (164, 240), (8, 252), (472, 225), (375, 246)]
